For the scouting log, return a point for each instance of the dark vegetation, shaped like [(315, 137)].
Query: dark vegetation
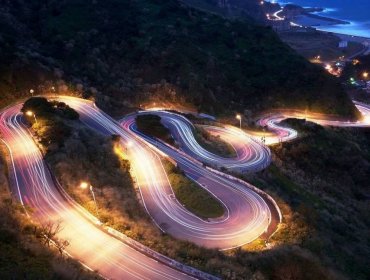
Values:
[(151, 125), (50, 115), (231, 8), (76, 153), (213, 143), (25, 253), (314, 43), (324, 178), (77, 158), (44, 108), (137, 51), (193, 197), (147, 50)]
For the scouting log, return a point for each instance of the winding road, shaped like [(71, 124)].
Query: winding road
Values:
[(94, 247), (248, 211), (250, 154), (282, 133)]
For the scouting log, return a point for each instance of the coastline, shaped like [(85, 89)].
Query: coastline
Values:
[(304, 17), (325, 19), (311, 20)]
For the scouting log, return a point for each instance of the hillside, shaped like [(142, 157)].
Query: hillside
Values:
[(231, 8), (330, 189), (128, 52)]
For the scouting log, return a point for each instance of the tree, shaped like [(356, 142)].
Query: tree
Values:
[(49, 230)]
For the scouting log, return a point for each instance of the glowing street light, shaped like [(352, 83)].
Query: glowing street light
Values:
[(128, 145), (32, 91), (239, 117), (85, 185), (31, 114), (365, 75)]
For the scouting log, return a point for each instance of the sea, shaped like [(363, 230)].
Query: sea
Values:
[(357, 12)]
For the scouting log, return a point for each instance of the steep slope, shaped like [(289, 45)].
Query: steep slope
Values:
[(231, 8), (128, 52)]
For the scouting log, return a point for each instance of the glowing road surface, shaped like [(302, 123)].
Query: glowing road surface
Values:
[(251, 155), (282, 133), (247, 215), (34, 187)]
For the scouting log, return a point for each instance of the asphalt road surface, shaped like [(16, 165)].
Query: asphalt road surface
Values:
[(35, 187), (247, 214)]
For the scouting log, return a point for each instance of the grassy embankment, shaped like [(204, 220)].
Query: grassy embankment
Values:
[(212, 143), (192, 196)]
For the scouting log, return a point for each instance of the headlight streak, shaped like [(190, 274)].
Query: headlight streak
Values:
[(88, 243), (251, 155), (247, 214), (246, 219), (283, 134)]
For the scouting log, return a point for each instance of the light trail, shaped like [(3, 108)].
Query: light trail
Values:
[(282, 134), (248, 216), (89, 244), (251, 155)]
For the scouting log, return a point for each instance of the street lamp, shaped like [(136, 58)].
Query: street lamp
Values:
[(32, 91), (128, 145), (85, 185), (31, 114), (365, 75), (239, 117)]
